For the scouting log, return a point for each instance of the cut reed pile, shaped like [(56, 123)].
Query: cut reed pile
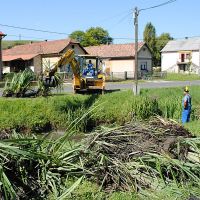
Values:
[(140, 155), (136, 156)]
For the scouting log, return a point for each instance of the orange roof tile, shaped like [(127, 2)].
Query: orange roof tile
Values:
[(45, 47), (18, 57), (114, 50)]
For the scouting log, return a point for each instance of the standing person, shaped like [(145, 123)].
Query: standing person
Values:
[(186, 105)]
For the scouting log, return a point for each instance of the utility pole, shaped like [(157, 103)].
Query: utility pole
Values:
[(199, 61), (135, 86), (2, 35)]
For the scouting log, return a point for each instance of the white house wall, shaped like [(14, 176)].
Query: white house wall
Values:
[(128, 65), (121, 65), (169, 61), (195, 58), (49, 62), (6, 70)]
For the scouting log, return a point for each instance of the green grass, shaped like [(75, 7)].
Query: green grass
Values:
[(89, 191), (58, 112), (2, 84), (6, 44), (181, 77), (194, 127), (38, 114)]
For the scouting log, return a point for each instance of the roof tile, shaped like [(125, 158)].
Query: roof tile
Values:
[(45, 47), (114, 50), (190, 44), (18, 57)]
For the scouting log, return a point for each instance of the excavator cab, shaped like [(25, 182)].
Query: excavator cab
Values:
[(91, 75), (90, 66)]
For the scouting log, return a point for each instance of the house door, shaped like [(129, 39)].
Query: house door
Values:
[(182, 57), (182, 67)]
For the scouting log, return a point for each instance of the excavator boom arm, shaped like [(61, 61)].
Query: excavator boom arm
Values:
[(67, 58)]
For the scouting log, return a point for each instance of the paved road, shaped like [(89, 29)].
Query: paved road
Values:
[(152, 84), (148, 84)]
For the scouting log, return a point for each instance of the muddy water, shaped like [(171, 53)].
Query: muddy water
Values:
[(59, 133)]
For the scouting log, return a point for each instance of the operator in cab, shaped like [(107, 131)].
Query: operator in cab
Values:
[(90, 69)]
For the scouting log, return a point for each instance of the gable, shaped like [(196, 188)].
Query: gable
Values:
[(144, 52)]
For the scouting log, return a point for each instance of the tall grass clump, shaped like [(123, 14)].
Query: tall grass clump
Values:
[(121, 107), (20, 84), (31, 168)]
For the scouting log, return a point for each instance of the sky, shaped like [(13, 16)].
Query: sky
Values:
[(180, 18)]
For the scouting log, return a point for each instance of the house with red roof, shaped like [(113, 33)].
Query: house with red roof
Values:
[(120, 58), (38, 55)]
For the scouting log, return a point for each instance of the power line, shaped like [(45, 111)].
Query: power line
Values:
[(159, 5), (123, 18), (30, 37), (115, 16), (115, 38), (38, 30), (32, 29)]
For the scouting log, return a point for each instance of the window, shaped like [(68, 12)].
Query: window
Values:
[(188, 56), (143, 65), (182, 57), (72, 46)]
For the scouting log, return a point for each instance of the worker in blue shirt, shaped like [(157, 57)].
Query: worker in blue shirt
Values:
[(89, 69), (186, 105)]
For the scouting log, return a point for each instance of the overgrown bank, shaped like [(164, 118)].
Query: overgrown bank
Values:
[(58, 112), (135, 158), (154, 159)]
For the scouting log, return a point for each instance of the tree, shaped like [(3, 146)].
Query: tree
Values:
[(78, 35), (149, 36), (93, 36), (161, 41), (155, 43)]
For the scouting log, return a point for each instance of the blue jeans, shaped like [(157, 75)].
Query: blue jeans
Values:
[(185, 116)]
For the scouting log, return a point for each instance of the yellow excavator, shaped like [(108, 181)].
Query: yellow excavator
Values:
[(87, 72)]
